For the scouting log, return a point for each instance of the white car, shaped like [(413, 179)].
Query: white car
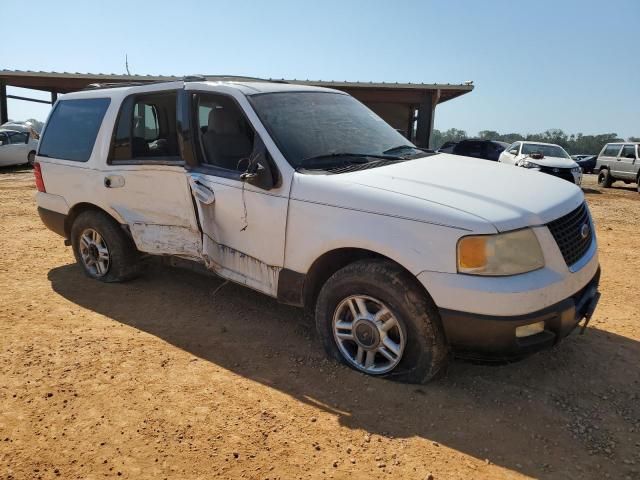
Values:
[(16, 147), (543, 157), (306, 195)]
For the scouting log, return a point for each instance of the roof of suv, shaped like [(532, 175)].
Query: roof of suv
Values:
[(246, 87)]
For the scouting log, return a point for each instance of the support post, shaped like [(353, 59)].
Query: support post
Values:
[(4, 114), (426, 115), (54, 97)]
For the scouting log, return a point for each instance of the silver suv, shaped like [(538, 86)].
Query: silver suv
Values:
[(619, 161)]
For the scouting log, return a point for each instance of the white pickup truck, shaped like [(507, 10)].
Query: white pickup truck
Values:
[(306, 195)]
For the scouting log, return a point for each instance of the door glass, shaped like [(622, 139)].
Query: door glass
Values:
[(18, 137), (146, 129), (628, 151), (226, 137), (611, 151)]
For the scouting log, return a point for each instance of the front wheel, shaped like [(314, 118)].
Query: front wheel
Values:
[(604, 178), (374, 317)]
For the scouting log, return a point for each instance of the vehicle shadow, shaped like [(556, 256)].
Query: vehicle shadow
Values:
[(15, 169), (566, 400)]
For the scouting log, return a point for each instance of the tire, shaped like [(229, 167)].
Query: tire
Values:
[(96, 228), (31, 158), (412, 319), (604, 178)]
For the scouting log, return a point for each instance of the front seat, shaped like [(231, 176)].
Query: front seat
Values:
[(226, 141)]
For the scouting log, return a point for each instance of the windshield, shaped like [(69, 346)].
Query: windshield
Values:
[(545, 150), (310, 125)]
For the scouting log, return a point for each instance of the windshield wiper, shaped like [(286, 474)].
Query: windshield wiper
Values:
[(399, 148), (349, 157)]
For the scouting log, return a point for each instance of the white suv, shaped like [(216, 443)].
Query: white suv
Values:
[(543, 157), (306, 195)]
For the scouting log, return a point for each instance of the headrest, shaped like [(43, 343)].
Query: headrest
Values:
[(223, 120)]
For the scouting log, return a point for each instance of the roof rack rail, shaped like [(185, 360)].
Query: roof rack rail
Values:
[(99, 86), (186, 78)]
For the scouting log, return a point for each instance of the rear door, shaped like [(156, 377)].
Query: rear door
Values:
[(144, 180), (627, 161), (243, 225)]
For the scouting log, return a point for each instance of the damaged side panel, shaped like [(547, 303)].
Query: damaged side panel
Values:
[(167, 240), (243, 233), (241, 268)]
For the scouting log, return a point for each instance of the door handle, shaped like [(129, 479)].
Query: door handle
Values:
[(114, 181), (200, 192)]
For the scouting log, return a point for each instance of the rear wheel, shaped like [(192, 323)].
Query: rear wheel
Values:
[(102, 248), (372, 316), (31, 158), (604, 178)]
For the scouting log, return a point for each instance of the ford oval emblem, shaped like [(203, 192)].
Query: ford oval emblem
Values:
[(584, 231)]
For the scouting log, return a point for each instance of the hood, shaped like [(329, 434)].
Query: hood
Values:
[(449, 190), (554, 162)]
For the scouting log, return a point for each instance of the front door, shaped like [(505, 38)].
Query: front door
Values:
[(145, 180), (243, 226)]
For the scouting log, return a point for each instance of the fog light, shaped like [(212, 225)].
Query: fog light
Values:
[(528, 330)]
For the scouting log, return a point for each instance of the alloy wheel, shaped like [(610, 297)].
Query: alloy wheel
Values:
[(94, 252), (368, 334)]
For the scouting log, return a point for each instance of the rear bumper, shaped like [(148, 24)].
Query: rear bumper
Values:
[(494, 338), (54, 221)]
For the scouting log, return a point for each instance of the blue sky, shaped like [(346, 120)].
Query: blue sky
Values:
[(536, 65)]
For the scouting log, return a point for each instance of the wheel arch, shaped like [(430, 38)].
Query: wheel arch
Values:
[(330, 262), (79, 208)]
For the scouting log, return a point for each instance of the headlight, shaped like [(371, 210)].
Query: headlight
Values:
[(576, 170), (508, 253), (528, 164)]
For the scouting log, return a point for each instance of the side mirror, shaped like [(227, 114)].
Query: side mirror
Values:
[(513, 151), (259, 172)]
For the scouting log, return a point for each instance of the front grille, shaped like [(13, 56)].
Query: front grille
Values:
[(569, 235), (563, 173)]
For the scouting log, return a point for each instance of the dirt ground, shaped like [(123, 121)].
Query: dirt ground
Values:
[(159, 378)]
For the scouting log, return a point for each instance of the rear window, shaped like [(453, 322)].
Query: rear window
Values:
[(72, 129)]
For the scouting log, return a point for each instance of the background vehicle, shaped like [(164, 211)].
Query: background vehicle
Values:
[(579, 157), (587, 163), (476, 148), (543, 157), (619, 161), (16, 147), (304, 194)]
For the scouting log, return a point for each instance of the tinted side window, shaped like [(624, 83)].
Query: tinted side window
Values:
[(146, 129), (18, 137), (628, 151), (470, 149), (611, 151), (72, 129)]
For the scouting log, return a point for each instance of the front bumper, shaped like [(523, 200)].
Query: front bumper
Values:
[(489, 337)]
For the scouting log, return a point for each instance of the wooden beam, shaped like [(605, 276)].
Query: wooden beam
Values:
[(27, 99)]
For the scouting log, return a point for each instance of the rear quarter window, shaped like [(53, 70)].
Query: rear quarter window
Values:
[(72, 129)]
